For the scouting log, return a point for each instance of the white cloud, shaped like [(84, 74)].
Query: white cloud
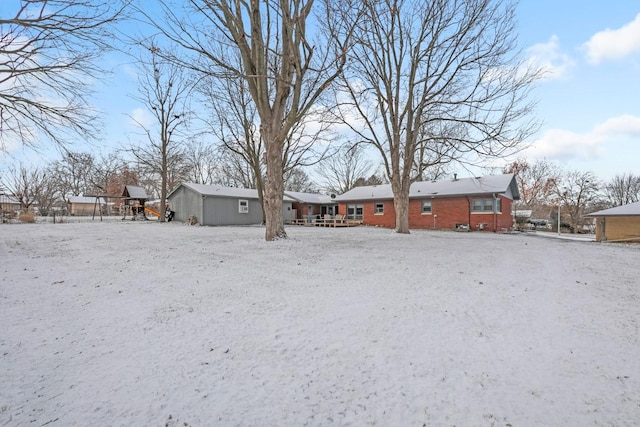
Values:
[(549, 56), (563, 144), (140, 117), (614, 44)]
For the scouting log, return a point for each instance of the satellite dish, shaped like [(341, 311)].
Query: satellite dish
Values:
[(333, 196)]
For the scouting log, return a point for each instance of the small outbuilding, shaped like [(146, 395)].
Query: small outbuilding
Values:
[(81, 205), (217, 205), (619, 224)]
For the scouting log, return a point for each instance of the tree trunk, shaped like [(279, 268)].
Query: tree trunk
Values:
[(401, 206), (274, 192)]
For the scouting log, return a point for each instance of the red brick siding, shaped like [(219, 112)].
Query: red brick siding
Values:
[(447, 212)]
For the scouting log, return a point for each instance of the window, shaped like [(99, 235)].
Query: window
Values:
[(426, 207), (354, 212), (243, 206), (486, 205), (379, 209)]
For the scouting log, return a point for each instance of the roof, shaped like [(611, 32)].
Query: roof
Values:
[(631, 209), (220, 191), (486, 185), (4, 199), (85, 199), (311, 198), (135, 192)]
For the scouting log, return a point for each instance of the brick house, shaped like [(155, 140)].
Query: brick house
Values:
[(480, 203)]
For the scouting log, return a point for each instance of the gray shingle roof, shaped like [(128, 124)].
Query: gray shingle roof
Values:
[(220, 191), (83, 199), (313, 198), (9, 199), (486, 185), (624, 210), (136, 192)]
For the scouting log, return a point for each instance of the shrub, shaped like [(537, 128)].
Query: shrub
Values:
[(27, 217)]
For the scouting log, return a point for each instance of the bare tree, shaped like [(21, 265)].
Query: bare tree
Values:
[(298, 180), (164, 89), (433, 82), (105, 171), (575, 192), (235, 124), (284, 69), (48, 52), (46, 191), (22, 183), (201, 160), (534, 181), (341, 171), (74, 173), (623, 189)]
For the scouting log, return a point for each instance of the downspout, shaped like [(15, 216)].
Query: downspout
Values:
[(204, 197), (468, 210), (495, 213)]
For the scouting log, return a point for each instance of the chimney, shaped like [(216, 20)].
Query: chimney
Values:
[(455, 176)]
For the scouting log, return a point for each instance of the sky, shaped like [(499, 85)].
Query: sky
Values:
[(587, 102)]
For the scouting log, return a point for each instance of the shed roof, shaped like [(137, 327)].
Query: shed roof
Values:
[(632, 209), (6, 199), (486, 185), (312, 198), (85, 199), (135, 192), (220, 191)]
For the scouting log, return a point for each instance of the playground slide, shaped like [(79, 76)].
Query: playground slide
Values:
[(152, 211)]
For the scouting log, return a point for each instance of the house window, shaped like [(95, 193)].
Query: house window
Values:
[(426, 207), (486, 205), (354, 212), (243, 206), (379, 209)]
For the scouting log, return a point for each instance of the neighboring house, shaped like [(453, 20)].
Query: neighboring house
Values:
[(81, 205), (312, 205), (618, 224), (9, 205), (481, 203), (216, 205)]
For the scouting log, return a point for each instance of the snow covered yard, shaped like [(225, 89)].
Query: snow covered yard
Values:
[(152, 324)]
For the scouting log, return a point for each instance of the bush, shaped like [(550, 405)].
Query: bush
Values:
[(27, 217)]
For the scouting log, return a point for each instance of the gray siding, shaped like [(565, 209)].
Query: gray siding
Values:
[(185, 203), (225, 211), (218, 210)]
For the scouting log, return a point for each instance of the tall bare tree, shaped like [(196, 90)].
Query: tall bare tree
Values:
[(575, 192), (48, 53), (201, 160), (434, 82), (22, 183), (535, 180), (340, 172), (235, 124), (164, 89), (74, 173), (623, 189), (286, 71)]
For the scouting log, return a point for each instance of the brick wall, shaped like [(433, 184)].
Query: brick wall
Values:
[(445, 214)]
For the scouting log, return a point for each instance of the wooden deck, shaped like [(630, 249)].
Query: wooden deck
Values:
[(326, 222)]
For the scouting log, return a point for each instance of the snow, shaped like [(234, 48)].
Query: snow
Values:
[(133, 323)]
